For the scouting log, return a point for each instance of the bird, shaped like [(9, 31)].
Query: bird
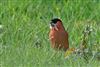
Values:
[(58, 36)]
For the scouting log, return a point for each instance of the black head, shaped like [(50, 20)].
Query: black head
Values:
[(54, 21)]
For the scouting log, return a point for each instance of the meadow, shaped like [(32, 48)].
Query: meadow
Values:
[(24, 29)]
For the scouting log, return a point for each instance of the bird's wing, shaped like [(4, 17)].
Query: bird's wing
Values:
[(66, 41), (67, 35)]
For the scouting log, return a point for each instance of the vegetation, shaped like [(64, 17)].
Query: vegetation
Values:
[(24, 29)]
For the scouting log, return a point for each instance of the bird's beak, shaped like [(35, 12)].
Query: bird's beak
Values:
[(52, 25)]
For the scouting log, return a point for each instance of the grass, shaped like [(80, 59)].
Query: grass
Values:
[(24, 40)]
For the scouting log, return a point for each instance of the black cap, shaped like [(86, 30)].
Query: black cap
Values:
[(54, 21)]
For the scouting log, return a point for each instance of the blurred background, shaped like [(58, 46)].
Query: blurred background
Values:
[(24, 29)]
